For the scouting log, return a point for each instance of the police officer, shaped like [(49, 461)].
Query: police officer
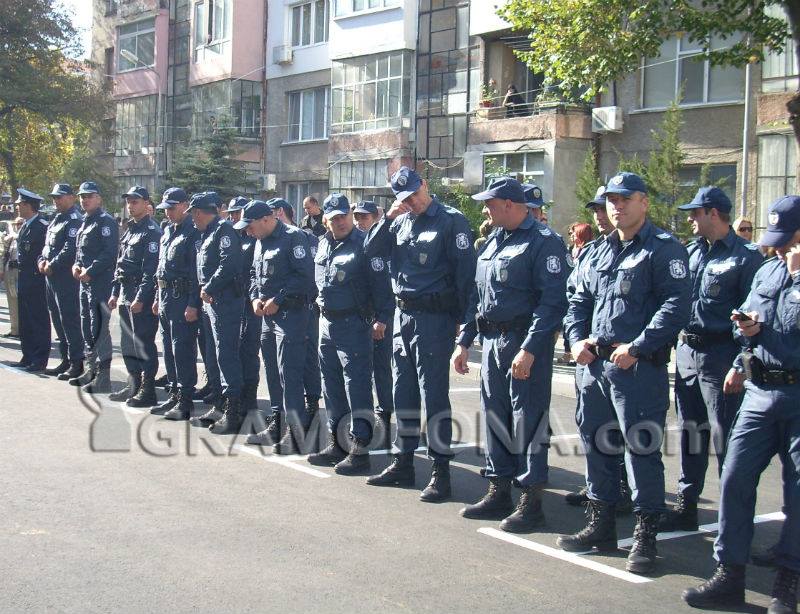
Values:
[(432, 261), (312, 220), (721, 268), (355, 300), (250, 331), (366, 215), (134, 291), (621, 323), (34, 320), (178, 304), (219, 270), (519, 302), (282, 270), (768, 327), (95, 258), (55, 263)]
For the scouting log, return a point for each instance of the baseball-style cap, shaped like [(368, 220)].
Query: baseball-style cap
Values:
[(599, 199), (709, 197), (335, 204), (137, 191), (783, 221), (280, 203), (26, 196), (171, 197), (366, 206), (61, 189), (533, 195), (626, 184), (254, 210), (238, 203), (506, 188), (88, 187), (203, 201), (405, 182)]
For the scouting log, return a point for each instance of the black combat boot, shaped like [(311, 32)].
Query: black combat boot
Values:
[(682, 518), (625, 504), (383, 429), (172, 401), (357, 461), (784, 592), (528, 515), (211, 416), (329, 456), (88, 374), (288, 443), (580, 497), (211, 397), (183, 410), (725, 588), (496, 503), (438, 489), (129, 390), (249, 398), (162, 382), (232, 417), (399, 473), (200, 393), (62, 367), (146, 395), (75, 369), (600, 532), (270, 435), (642, 557), (101, 384)]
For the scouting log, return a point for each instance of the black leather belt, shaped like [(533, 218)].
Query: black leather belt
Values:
[(705, 340), (659, 357), (338, 314), (293, 302), (432, 303), (488, 327), (757, 373)]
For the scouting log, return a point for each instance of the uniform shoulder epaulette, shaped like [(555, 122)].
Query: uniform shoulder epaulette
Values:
[(665, 236), (44, 221), (545, 231), (752, 247), (75, 215)]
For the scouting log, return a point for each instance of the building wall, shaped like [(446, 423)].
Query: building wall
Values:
[(386, 29)]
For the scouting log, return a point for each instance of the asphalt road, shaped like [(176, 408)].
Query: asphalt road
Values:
[(110, 509)]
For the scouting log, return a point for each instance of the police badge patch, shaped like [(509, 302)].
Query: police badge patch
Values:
[(773, 219), (340, 275), (73, 232), (377, 264), (677, 269), (617, 180), (313, 251), (462, 241), (299, 252), (537, 193), (625, 286), (225, 242), (402, 180), (423, 258), (553, 264), (153, 247), (106, 232)]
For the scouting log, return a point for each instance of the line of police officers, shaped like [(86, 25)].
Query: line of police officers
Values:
[(339, 299)]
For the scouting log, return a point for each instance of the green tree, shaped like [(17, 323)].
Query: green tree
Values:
[(209, 165), (586, 184)]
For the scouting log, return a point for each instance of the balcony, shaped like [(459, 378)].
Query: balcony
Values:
[(544, 121)]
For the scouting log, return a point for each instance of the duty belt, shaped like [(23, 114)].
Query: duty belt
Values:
[(659, 357), (432, 303), (487, 327), (294, 301), (704, 340), (756, 372), (338, 314)]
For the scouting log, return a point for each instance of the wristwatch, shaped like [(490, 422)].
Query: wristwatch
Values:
[(633, 350)]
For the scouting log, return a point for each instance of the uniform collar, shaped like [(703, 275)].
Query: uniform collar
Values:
[(30, 221), (98, 212), (213, 224), (143, 223), (433, 208), (528, 222), (644, 233), (186, 223)]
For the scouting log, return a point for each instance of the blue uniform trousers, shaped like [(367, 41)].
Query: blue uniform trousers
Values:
[(515, 411), (34, 320), (269, 354), (95, 317), (768, 423), (382, 372), (249, 343), (704, 411), (632, 403), (312, 376), (422, 345), (345, 357), (62, 301), (179, 338), (138, 340), (223, 321)]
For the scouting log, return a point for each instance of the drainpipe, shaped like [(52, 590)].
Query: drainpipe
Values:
[(746, 140)]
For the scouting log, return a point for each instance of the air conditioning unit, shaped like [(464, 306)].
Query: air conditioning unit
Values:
[(282, 54), (607, 119), (269, 182)]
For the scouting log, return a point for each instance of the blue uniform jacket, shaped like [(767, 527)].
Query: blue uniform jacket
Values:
[(97, 241), (219, 258), (430, 253), (639, 293), (521, 274), (178, 257), (60, 245), (30, 242), (137, 261), (347, 279), (283, 266)]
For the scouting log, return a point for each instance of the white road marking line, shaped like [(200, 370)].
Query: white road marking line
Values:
[(704, 528), (465, 390), (425, 449), (13, 369), (569, 557), (284, 461)]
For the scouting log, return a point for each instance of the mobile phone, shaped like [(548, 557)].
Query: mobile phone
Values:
[(740, 316)]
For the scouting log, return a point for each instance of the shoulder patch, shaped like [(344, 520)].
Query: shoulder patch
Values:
[(554, 264), (225, 242), (313, 251), (545, 231), (677, 269), (72, 232), (299, 252), (106, 232), (153, 247), (377, 264), (462, 241)]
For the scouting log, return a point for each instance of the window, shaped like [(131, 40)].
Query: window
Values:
[(348, 7), (722, 175), (212, 25), (779, 70), (677, 69), (297, 192), (139, 39), (308, 115), (359, 174), (111, 7), (526, 166), (371, 92), (776, 171), (234, 104), (309, 23), (135, 125)]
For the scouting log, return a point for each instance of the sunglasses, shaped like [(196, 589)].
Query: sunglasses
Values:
[(745, 229)]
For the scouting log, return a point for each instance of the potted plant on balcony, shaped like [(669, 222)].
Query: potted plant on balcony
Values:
[(488, 94)]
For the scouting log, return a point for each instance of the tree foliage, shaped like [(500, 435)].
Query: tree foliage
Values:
[(586, 183)]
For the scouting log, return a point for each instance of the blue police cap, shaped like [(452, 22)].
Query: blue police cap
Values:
[(203, 201), (709, 197), (366, 206), (405, 182), (599, 199), (505, 188), (533, 195), (279, 203), (237, 203), (137, 191), (26, 196), (88, 187), (783, 221), (335, 204), (171, 197), (254, 210), (626, 184), (61, 189)]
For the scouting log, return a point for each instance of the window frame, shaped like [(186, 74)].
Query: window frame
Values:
[(488, 178), (301, 94), (312, 24), (135, 35), (129, 113), (350, 10), (789, 153), (210, 44)]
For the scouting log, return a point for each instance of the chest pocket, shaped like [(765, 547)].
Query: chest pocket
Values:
[(790, 317), (272, 261), (176, 249), (719, 281), (341, 269), (509, 264), (633, 280), (424, 250)]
